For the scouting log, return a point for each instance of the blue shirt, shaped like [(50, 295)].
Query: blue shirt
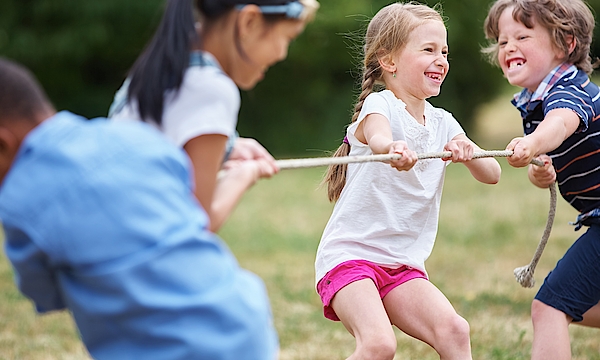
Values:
[(577, 159), (99, 218)]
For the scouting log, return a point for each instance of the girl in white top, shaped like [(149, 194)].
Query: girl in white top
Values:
[(186, 83), (370, 264)]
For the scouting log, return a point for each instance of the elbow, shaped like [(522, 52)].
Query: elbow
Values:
[(495, 178), (492, 176), (494, 181)]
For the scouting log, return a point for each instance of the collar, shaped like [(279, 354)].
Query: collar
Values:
[(203, 58), (523, 99)]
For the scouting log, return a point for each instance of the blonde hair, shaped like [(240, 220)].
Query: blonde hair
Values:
[(387, 32), (562, 18)]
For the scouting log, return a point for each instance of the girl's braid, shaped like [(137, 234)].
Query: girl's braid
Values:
[(335, 177)]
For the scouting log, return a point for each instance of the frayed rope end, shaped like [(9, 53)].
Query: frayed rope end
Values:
[(524, 276)]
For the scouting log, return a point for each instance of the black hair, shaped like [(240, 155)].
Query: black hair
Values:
[(162, 64), (21, 96)]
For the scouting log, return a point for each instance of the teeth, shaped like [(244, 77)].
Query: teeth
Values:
[(515, 64)]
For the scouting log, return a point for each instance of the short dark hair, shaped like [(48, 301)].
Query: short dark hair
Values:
[(21, 96)]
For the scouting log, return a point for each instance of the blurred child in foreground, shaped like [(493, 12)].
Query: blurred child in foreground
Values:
[(133, 260)]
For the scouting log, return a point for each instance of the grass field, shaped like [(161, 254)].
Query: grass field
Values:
[(484, 233)]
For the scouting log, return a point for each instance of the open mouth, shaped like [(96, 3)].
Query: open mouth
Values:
[(434, 76), (515, 63)]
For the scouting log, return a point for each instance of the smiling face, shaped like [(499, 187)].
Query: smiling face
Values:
[(422, 65), (263, 48), (525, 55)]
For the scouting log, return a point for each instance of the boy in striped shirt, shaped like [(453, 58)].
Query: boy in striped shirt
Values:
[(544, 47)]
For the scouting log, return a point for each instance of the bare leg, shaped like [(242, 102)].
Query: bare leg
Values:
[(420, 309), (591, 317), (550, 333), (360, 309)]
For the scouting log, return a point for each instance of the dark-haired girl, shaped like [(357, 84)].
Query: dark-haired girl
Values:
[(186, 83)]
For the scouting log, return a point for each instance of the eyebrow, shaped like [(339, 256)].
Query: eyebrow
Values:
[(432, 43)]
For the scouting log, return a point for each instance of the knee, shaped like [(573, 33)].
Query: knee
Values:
[(378, 347), (538, 309), (541, 313), (455, 330)]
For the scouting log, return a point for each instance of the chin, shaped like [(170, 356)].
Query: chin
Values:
[(247, 85), (516, 83)]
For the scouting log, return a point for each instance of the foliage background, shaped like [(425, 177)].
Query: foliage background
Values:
[(81, 51)]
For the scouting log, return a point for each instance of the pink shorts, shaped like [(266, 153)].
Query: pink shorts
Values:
[(385, 280)]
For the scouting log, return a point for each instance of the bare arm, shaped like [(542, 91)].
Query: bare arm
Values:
[(375, 131), (220, 196), (557, 126), (485, 170)]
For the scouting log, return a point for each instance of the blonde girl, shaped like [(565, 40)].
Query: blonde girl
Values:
[(369, 266), (186, 83)]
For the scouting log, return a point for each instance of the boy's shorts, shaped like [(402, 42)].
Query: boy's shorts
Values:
[(573, 287), (385, 280)]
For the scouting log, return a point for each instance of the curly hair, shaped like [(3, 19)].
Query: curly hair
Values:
[(562, 18)]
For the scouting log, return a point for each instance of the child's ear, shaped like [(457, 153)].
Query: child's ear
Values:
[(9, 146), (572, 43), (249, 20), (386, 61)]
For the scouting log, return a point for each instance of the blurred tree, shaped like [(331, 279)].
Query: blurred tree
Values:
[(81, 51)]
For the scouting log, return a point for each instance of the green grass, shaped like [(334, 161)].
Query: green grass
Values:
[(485, 232)]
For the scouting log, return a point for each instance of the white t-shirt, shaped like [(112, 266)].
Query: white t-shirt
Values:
[(386, 216), (207, 102)]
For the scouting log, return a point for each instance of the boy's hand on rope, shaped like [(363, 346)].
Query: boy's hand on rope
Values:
[(462, 150), (542, 176), (524, 150), (408, 159)]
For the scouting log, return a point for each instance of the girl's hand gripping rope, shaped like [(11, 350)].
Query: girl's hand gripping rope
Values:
[(408, 158), (461, 150)]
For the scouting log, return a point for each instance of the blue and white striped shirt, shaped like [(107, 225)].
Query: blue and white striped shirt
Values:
[(577, 159)]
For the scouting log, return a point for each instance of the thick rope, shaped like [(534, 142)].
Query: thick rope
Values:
[(340, 160), (524, 274)]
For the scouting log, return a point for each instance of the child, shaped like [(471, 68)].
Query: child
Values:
[(185, 84), (131, 259), (544, 47), (370, 268)]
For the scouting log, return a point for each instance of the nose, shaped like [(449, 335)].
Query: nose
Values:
[(442, 61), (510, 46)]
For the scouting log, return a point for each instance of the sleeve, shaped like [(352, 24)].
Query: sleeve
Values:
[(375, 103), (33, 274), (206, 103), (454, 127), (574, 98)]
